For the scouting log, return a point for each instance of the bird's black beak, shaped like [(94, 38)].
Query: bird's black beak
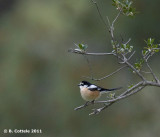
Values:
[(79, 84)]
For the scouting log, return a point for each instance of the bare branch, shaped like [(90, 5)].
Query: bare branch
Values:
[(107, 75), (132, 88), (110, 102), (82, 106), (155, 48), (112, 26), (151, 83), (123, 94), (86, 53), (157, 80), (99, 13), (146, 72), (89, 65), (128, 41), (108, 21), (116, 19), (138, 73), (97, 111), (124, 60), (136, 88), (111, 53), (131, 55), (124, 57), (131, 93)]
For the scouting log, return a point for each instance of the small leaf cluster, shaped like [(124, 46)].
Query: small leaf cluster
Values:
[(138, 65), (151, 47), (130, 86), (125, 7), (81, 46), (111, 96), (124, 48)]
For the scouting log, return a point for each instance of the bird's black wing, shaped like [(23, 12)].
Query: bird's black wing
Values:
[(93, 89)]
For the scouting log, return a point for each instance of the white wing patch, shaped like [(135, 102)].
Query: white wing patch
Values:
[(92, 86)]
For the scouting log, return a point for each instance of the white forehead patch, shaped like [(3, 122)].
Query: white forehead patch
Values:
[(92, 86)]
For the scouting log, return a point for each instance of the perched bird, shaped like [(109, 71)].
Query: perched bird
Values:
[(91, 92)]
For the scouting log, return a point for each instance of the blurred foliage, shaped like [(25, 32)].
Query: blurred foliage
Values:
[(38, 77)]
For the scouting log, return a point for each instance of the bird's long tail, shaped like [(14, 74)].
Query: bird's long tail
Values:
[(103, 90)]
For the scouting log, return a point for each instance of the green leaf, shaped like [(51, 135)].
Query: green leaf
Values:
[(123, 46), (144, 52), (130, 49), (82, 46), (130, 86), (150, 41), (156, 50), (138, 65)]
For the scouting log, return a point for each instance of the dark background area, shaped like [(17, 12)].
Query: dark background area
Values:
[(38, 77)]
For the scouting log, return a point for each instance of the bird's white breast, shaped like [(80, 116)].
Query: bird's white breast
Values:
[(89, 95)]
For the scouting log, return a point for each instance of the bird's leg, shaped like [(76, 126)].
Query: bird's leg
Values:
[(86, 104), (92, 101)]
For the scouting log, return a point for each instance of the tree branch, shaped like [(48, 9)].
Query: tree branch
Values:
[(89, 65), (99, 13), (107, 75), (156, 79), (136, 88), (86, 53), (131, 55), (122, 54), (138, 73), (110, 102)]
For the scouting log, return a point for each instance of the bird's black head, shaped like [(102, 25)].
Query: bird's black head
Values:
[(84, 83)]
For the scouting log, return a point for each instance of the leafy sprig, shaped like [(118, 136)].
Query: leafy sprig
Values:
[(125, 7)]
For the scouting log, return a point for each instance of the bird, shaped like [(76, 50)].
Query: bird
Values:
[(91, 92)]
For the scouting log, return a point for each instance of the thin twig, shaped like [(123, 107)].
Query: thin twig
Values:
[(125, 60), (131, 55), (116, 18), (112, 26), (111, 30), (146, 72), (132, 88), (100, 13), (102, 54), (108, 21), (136, 88), (82, 106), (107, 75), (131, 91), (138, 73), (86, 53), (128, 41), (97, 111), (157, 80), (89, 65), (123, 94), (110, 102)]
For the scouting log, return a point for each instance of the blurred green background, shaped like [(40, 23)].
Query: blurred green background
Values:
[(38, 77)]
